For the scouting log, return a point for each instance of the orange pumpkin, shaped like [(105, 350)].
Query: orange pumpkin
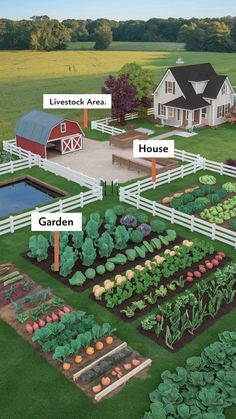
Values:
[(78, 359), (90, 350), (66, 366), (105, 381), (109, 340), (99, 346)]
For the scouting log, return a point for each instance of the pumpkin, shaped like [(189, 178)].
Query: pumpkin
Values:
[(99, 291), (136, 362), (97, 389), (66, 366), (105, 381), (78, 359), (129, 274), (95, 287), (127, 367), (90, 350), (99, 346), (167, 200), (139, 267), (172, 253), (109, 340)]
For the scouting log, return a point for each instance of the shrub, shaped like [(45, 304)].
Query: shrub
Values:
[(230, 186), (38, 246), (77, 279), (142, 218), (78, 238), (207, 180), (110, 217), (95, 216), (67, 260), (145, 229), (187, 197), (88, 252), (121, 237), (90, 273), (100, 269), (157, 226), (110, 266), (136, 236), (92, 229), (131, 211), (105, 245), (119, 210)]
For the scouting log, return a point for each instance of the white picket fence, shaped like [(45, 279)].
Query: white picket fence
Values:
[(15, 222), (102, 125), (131, 194), (28, 160)]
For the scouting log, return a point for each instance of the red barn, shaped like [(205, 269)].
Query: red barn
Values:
[(38, 131)]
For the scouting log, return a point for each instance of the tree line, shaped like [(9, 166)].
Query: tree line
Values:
[(43, 33)]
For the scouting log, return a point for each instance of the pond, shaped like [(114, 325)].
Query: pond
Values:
[(19, 195)]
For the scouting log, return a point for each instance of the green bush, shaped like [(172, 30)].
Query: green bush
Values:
[(121, 237), (90, 273), (186, 198), (95, 216), (119, 210), (157, 226), (110, 266), (78, 238), (100, 269), (88, 252), (38, 246), (136, 236), (105, 245), (222, 193), (142, 217), (77, 279), (91, 229), (213, 198), (203, 388), (67, 260)]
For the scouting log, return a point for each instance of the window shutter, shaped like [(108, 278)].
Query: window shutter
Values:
[(174, 88), (166, 86), (159, 108)]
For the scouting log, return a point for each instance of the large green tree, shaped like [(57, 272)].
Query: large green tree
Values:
[(103, 37), (140, 77)]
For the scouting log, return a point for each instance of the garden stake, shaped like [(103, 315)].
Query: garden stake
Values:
[(154, 162), (56, 251), (85, 118)]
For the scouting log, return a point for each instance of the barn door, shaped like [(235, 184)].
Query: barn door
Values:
[(74, 143)]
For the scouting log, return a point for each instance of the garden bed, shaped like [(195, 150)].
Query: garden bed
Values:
[(165, 282), (39, 306)]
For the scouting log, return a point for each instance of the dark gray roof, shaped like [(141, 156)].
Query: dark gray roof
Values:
[(198, 72), (196, 103), (37, 126)]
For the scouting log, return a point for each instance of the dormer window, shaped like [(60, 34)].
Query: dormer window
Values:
[(63, 127), (224, 89), (170, 87)]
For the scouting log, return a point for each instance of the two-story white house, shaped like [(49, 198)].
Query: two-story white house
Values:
[(193, 95)]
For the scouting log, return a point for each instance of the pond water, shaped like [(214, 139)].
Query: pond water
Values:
[(21, 195)]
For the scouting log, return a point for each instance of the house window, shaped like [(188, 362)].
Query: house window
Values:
[(63, 127), (161, 110), (171, 113), (204, 112), (170, 87), (227, 108), (220, 111), (224, 89)]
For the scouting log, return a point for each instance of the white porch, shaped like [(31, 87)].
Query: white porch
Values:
[(184, 118)]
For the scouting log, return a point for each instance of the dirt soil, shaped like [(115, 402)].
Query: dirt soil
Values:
[(170, 294)]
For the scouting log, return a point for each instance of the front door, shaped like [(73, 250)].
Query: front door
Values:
[(70, 144)]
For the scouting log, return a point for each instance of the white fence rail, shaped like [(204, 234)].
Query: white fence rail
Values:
[(13, 223), (191, 222)]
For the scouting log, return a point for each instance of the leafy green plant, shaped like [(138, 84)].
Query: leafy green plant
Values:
[(88, 252), (38, 246)]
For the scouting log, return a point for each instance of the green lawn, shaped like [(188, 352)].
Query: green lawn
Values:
[(26, 75), (38, 390), (130, 46)]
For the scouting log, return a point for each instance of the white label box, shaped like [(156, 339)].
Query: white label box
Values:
[(153, 148), (76, 101), (57, 221)]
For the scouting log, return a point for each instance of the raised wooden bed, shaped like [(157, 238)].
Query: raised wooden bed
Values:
[(125, 139)]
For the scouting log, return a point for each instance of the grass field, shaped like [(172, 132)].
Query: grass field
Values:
[(39, 390), (130, 46), (26, 75)]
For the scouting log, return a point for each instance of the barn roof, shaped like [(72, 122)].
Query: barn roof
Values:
[(36, 126)]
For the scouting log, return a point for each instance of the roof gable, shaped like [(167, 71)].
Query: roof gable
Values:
[(37, 126)]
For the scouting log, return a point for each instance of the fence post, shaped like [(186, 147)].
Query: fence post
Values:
[(169, 176), (153, 208), (11, 219), (12, 166), (221, 168), (139, 187), (172, 217), (182, 172), (60, 205), (138, 202), (82, 199), (213, 232), (192, 223)]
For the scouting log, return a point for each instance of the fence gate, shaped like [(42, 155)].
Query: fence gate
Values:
[(70, 144)]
